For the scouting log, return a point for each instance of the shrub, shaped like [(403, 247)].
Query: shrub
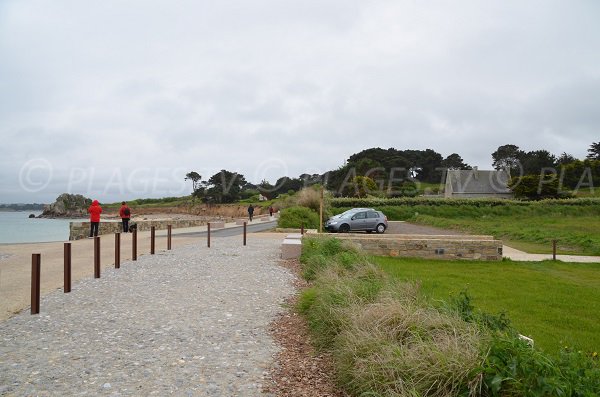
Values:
[(513, 368), (295, 217), (309, 197), (535, 187), (463, 307)]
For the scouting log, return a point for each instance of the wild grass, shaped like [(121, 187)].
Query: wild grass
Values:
[(555, 303), (386, 340), (390, 339), (399, 347)]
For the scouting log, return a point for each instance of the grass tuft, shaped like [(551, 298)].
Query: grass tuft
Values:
[(398, 349)]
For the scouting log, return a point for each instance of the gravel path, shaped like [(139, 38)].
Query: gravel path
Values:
[(188, 322)]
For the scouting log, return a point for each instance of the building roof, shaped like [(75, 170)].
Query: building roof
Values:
[(477, 182)]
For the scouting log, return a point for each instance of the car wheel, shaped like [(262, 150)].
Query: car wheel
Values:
[(345, 228), (380, 228)]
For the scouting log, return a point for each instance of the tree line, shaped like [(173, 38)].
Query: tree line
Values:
[(395, 172), (22, 207)]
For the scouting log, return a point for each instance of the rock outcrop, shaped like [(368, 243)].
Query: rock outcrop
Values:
[(67, 206)]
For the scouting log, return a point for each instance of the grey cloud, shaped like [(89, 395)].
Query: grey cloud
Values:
[(270, 86)]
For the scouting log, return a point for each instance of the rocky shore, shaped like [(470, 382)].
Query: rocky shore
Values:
[(67, 206)]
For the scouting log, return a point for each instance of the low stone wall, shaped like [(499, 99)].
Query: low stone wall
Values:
[(428, 246), (79, 230)]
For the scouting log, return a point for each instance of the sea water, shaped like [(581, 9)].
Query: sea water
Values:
[(17, 227)]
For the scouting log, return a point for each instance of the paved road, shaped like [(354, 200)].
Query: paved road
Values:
[(232, 231)]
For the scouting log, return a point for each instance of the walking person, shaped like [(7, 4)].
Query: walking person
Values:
[(95, 210), (271, 211), (125, 214), (250, 212)]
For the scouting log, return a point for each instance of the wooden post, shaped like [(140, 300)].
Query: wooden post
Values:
[(117, 250), (208, 235), (321, 212), (244, 233), (152, 238), (97, 257), (553, 250), (169, 237), (67, 268), (302, 228), (36, 267), (134, 245)]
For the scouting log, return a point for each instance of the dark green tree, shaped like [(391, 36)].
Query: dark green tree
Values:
[(506, 157), (594, 151), (361, 186), (429, 164), (195, 178), (455, 162), (224, 187), (266, 189), (535, 186), (536, 161), (565, 158), (581, 174), (285, 184)]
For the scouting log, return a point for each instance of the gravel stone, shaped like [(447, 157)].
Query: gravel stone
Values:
[(188, 322)]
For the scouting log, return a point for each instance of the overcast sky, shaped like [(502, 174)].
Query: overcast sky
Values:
[(120, 99)]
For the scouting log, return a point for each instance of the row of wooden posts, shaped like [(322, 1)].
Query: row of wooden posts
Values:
[(36, 260)]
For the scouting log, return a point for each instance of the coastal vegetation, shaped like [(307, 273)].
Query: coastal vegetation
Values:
[(390, 337)]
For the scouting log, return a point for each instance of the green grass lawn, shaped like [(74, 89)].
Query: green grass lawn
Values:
[(575, 235), (555, 303)]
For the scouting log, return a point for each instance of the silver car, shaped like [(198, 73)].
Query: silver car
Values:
[(358, 219)]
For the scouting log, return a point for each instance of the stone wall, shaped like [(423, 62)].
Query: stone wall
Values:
[(428, 246), (79, 230)]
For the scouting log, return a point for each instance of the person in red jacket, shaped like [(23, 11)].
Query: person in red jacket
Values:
[(125, 214), (95, 210)]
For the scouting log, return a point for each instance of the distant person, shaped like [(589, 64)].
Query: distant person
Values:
[(250, 212), (270, 210), (125, 214), (95, 210)]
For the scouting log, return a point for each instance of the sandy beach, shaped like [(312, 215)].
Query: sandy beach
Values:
[(15, 264)]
